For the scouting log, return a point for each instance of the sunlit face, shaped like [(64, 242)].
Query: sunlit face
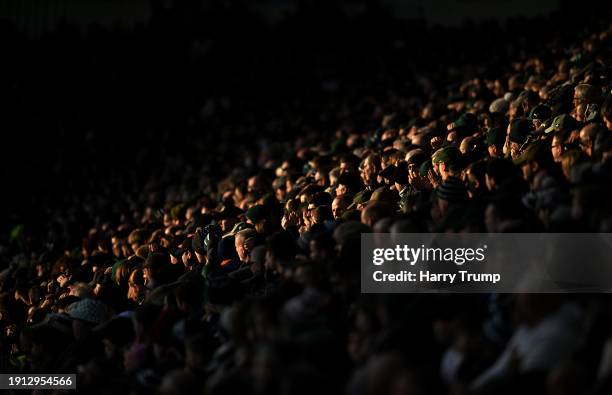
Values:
[(492, 149), (514, 150), (336, 208), (556, 149)]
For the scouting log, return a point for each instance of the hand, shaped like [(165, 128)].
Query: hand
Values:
[(436, 142), (433, 178), (186, 257)]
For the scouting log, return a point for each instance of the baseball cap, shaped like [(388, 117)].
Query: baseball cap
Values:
[(519, 130), (448, 154), (562, 122), (541, 111)]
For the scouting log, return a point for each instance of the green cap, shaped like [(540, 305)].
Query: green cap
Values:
[(384, 194), (537, 151), (362, 197), (467, 122), (448, 154), (388, 173), (563, 123)]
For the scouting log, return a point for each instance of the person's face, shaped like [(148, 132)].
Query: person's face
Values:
[(146, 275), (369, 170), (492, 151), (280, 193), (443, 170), (436, 168), (227, 224), (412, 169), (62, 280), (537, 123), (580, 111), (608, 122), (320, 178), (514, 149), (585, 142), (556, 149), (336, 208), (117, 249), (340, 190), (239, 244)]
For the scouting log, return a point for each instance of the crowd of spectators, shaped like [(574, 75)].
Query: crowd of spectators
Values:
[(237, 270)]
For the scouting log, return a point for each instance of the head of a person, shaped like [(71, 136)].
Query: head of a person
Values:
[(535, 158), (322, 247), (498, 172), (606, 112), (445, 161), (494, 140), (475, 178), (557, 146), (370, 168), (280, 250), (321, 214), (570, 159), (375, 211), (152, 269), (348, 183), (539, 114), (340, 204), (588, 135), (585, 95), (468, 144), (245, 241), (518, 133), (136, 285)]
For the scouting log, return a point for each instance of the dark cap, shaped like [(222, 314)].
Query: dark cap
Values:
[(257, 213), (541, 111), (228, 211), (416, 157), (519, 130), (466, 123), (424, 168), (448, 154), (401, 173), (388, 173)]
